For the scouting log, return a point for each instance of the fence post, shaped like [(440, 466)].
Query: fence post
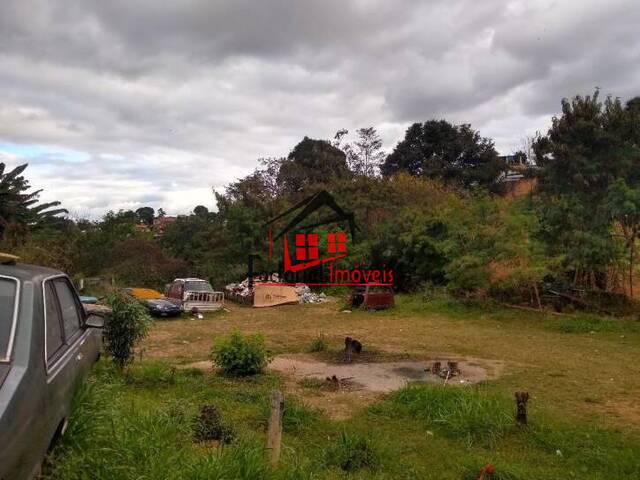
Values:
[(521, 407), (274, 434)]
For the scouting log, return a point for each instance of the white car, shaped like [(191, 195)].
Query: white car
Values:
[(194, 294)]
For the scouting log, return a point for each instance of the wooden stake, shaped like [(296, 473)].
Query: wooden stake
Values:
[(521, 407), (274, 434)]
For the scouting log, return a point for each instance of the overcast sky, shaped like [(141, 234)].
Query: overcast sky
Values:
[(124, 103)]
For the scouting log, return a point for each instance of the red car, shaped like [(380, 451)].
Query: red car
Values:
[(372, 297)]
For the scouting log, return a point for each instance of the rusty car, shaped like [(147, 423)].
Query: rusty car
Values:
[(194, 295), (372, 297)]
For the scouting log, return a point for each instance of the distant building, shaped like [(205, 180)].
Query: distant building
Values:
[(160, 223), (519, 179), (142, 227)]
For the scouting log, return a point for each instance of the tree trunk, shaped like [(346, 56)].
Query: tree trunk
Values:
[(632, 248), (537, 294)]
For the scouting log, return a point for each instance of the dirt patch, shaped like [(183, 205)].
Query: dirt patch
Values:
[(381, 377)]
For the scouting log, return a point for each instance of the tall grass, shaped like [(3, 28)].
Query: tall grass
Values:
[(462, 412), (352, 452), (588, 324), (319, 344), (140, 428)]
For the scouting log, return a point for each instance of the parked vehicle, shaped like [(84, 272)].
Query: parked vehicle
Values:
[(194, 294), (47, 346), (372, 297), (155, 302)]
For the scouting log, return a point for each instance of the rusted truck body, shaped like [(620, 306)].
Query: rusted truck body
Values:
[(372, 297), (194, 294)]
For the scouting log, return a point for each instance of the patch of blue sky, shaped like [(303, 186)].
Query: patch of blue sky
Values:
[(44, 153)]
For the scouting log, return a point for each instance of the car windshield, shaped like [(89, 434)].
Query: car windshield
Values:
[(8, 290), (197, 287)]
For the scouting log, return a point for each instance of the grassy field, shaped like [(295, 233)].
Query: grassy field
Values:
[(582, 372)]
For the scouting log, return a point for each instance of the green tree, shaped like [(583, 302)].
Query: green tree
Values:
[(126, 327), (20, 211), (145, 215), (586, 151), (364, 155), (201, 211), (623, 203), (311, 166), (494, 249), (455, 154)]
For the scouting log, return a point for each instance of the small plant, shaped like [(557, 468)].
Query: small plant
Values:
[(126, 327), (209, 426), (319, 344), (237, 355), (353, 452)]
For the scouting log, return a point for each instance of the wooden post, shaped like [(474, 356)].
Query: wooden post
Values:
[(521, 407), (274, 434)]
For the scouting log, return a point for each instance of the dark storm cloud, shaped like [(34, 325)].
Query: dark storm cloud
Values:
[(157, 102)]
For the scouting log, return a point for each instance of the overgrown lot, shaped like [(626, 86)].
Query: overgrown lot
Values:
[(582, 374)]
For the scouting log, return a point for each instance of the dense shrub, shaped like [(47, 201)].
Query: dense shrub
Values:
[(209, 426), (239, 355), (126, 327)]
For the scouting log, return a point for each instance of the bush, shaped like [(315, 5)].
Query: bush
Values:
[(352, 452), (209, 426), (241, 356), (125, 328), (319, 344)]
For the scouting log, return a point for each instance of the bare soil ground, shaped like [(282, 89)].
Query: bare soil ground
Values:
[(572, 374)]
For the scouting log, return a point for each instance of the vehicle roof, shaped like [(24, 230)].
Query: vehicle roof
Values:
[(189, 280), (25, 272)]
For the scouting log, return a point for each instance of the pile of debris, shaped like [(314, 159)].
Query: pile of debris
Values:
[(305, 295), (240, 292), (241, 288)]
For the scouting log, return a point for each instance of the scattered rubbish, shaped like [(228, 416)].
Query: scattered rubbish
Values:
[(239, 292), (266, 293), (196, 313), (270, 295), (345, 311), (305, 295)]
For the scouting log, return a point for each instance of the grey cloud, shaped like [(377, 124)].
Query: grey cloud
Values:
[(169, 99)]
